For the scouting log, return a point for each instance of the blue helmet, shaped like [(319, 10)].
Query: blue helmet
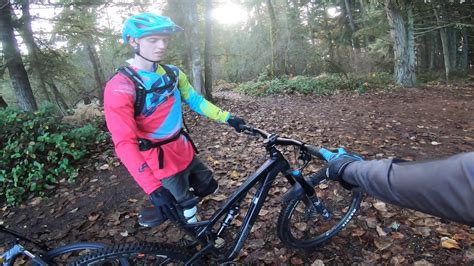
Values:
[(145, 24)]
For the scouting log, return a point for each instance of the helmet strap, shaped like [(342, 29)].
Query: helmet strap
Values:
[(136, 49)]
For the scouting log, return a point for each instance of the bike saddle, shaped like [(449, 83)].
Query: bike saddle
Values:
[(148, 217)]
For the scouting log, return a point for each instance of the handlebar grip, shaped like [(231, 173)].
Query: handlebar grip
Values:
[(313, 150), (244, 128)]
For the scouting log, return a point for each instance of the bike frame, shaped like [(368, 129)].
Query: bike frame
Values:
[(266, 175)]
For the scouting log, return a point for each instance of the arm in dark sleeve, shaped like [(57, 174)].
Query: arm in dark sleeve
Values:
[(442, 187)]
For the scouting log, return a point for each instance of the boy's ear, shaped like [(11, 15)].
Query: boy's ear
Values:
[(133, 42)]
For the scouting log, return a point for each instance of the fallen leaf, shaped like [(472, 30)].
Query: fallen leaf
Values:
[(218, 197), (301, 226), (397, 260), (442, 231), (104, 167), (371, 222), (317, 263), (357, 232), (383, 243), (449, 243), (397, 235), (93, 217), (234, 174), (35, 201), (124, 234), (422, 263), (296, 260), (423, 231), (380, 231), (323, 186), (434, 143), (113, 232), (263, 212), (461, 236), (74, 210), (470, 254), (381, 206)]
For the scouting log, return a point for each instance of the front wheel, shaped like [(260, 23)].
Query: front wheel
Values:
[(302, 227), (136, 254)]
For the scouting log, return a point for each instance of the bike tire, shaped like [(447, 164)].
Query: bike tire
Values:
[(165, 253), (316, 231)]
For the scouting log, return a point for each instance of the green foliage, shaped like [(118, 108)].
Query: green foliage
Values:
[(37, 151), (322, 85)]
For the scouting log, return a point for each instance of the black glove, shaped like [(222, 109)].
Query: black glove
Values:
[(338, 160), (236, 122), (166, 205)]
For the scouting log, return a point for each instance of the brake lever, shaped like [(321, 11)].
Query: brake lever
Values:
[(248, 132)]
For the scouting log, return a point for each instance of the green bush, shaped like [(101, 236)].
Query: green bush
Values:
[(323, 85), (379, 79), (37, 151), (299, 84)]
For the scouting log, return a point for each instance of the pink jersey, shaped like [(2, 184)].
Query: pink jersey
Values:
[(160, 119)]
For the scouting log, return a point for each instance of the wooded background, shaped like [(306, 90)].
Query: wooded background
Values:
[(70, 59)]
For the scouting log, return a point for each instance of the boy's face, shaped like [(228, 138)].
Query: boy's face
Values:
[(152, 47)]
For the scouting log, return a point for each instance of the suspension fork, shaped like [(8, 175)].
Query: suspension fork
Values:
[(310, 198)]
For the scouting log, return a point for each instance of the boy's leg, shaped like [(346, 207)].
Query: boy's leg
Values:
[(178, 185), (201, 178)]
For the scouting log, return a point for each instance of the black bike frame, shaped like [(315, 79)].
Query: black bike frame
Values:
[(266, 174)]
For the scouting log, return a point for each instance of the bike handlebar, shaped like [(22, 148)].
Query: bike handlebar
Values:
[(311, 149)]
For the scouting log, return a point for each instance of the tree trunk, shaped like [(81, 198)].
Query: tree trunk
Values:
[(207, 51), (433, 50), (33, 50), (58, 97), (411, 46), (364, 15), (453, 47), (444, 39), (279, 56), (99, 80), (465, 51), (193, 41), (403, 43), (14, 63), (273, 39), (329, 37), (354, 42), (3, 104)]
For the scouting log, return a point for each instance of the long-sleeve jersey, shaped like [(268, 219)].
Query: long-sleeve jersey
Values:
[(442, 187), (160, 119)]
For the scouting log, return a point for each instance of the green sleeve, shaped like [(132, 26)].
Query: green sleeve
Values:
[(198, 103)]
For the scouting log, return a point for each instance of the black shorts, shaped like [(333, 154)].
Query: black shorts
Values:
[(197, 176)]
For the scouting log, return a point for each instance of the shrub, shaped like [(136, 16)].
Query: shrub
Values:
[(321, 85), (37, 151)]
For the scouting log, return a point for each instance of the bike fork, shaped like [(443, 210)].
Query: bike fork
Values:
[(311, 199)]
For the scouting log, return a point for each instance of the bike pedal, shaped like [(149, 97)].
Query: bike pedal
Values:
[(219, 242)]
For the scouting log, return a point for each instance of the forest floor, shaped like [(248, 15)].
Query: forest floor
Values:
[(413, 124)]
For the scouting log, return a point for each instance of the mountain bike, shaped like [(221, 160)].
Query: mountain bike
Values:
[(314, 210), (38, 253)]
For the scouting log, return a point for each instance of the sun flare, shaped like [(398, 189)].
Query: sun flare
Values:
[(229, 14)]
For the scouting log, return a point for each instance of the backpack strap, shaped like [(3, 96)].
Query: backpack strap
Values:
[(170, 73), (140, 91)]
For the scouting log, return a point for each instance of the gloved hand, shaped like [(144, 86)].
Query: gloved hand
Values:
[(236, 122), (338, 160), (166, 205)]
